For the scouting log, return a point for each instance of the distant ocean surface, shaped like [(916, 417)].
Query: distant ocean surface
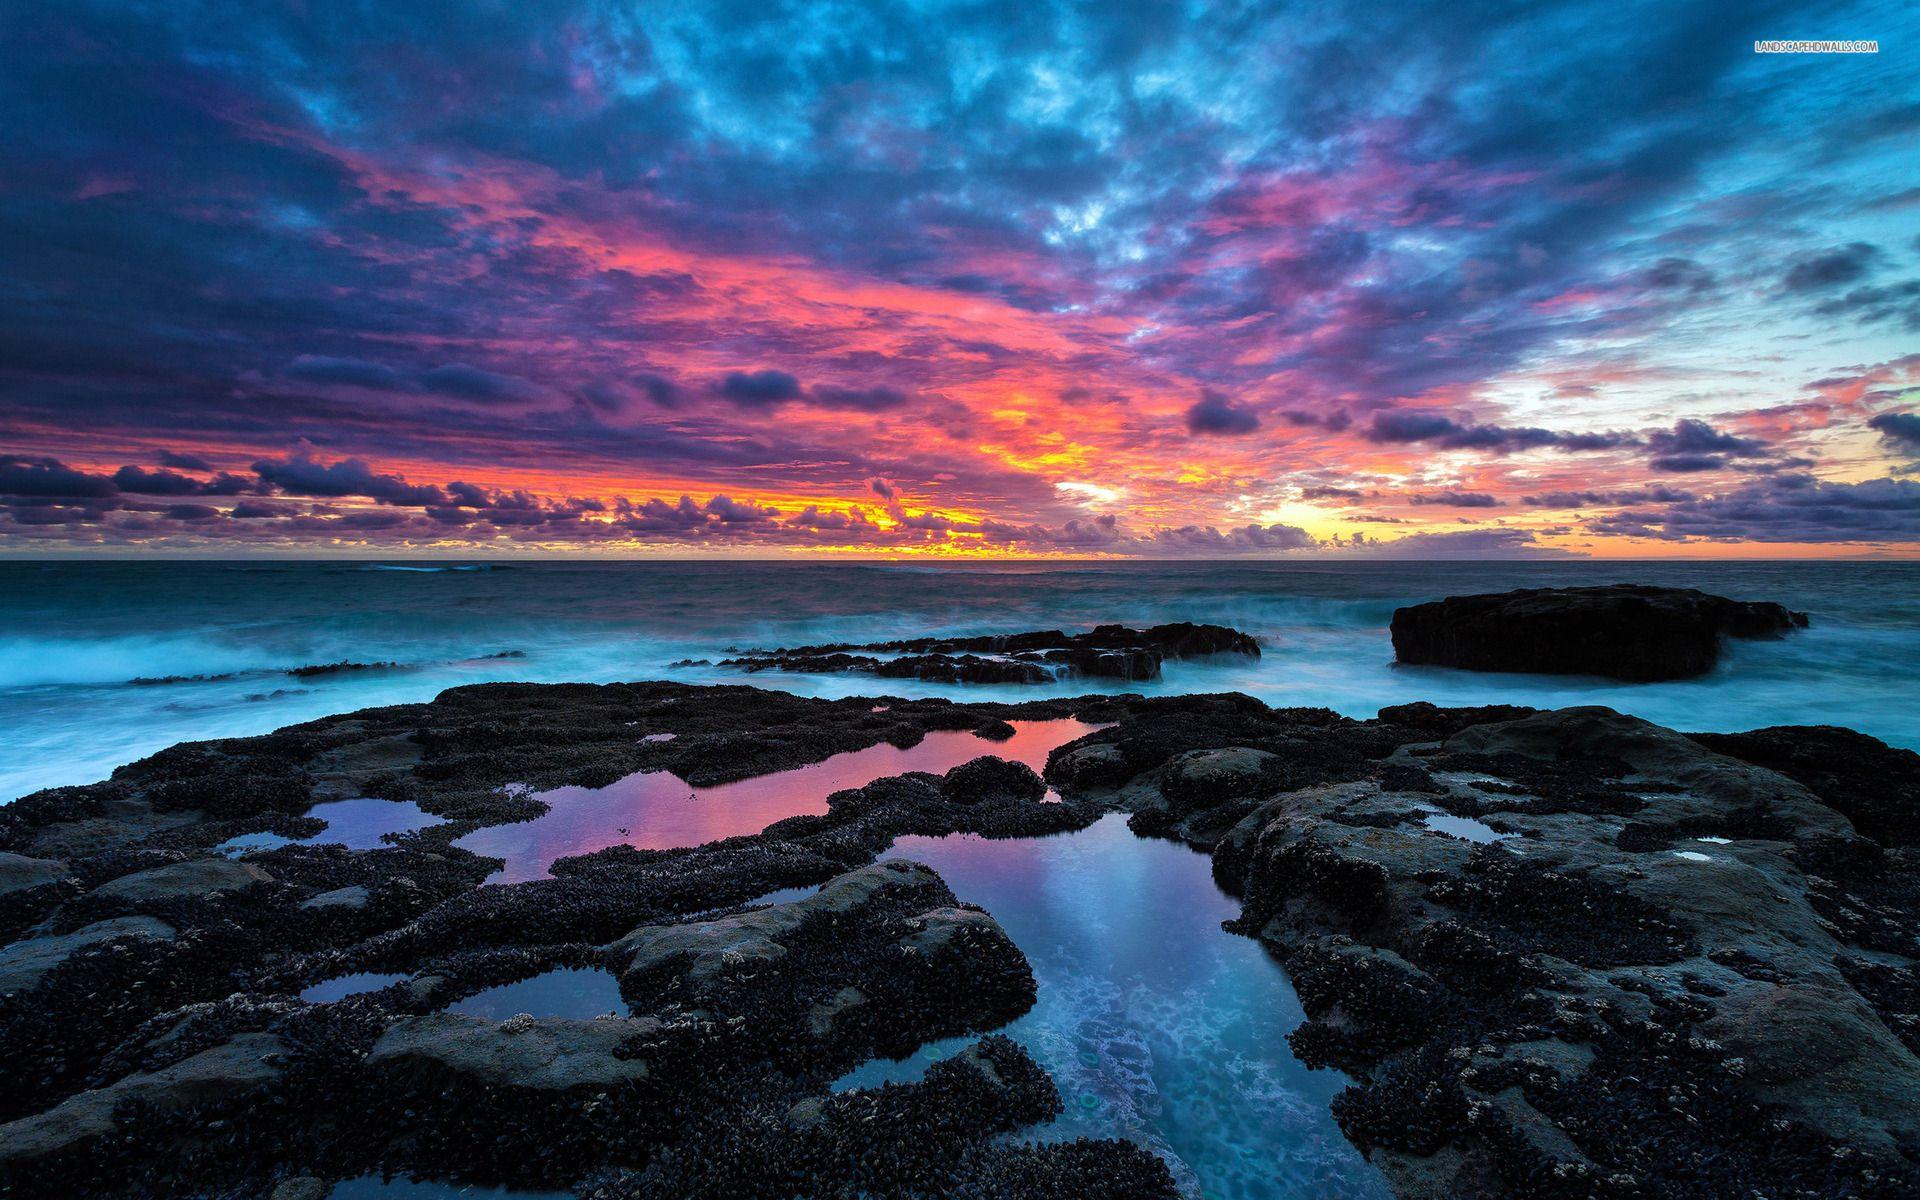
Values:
[(75, 635)]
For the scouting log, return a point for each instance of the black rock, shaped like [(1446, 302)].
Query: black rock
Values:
[(1716, 997), (1875, 785), (964, 668), (1624, 631), (988, 776), (1107, 652)]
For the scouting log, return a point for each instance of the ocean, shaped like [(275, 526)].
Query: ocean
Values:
[(75, 636)]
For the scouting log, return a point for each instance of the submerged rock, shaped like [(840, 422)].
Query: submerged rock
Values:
[(1623, 631), (1108, 652)]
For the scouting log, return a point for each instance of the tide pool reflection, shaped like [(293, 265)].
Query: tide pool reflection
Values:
[(657, 810), (1157, 1025), (342, 986), (573, 993), (374, 1187), (359, 824)]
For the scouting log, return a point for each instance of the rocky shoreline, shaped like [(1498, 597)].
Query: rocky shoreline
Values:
[(1568, 954), (1105, 652)]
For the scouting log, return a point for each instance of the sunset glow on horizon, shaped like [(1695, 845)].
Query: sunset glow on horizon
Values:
[(1445, 280)]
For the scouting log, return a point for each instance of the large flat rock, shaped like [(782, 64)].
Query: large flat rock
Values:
[(198, 877), (538, 1055), (25, 962), (1623, 631), (223, 1074), (19, 873), (707, 950)]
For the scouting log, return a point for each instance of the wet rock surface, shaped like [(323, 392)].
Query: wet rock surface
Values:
[(1623, 631), (1108, 652), (156, 1043), (1673, 966), (1668, 972)]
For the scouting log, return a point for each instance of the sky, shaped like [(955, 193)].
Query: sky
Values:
[(1437, 278)]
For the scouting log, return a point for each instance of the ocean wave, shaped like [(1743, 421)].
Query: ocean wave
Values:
[(45, 661), (152, 661), (432, 570)]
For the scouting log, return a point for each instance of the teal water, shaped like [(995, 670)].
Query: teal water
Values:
[(373, 1187), (73, 634), (570, 993), (342, 986), (1157, 1025), (362, 823)]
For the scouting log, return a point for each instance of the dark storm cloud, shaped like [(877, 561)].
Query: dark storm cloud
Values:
[(1689, 437), (1897, 304), (1330, 493), (1409, 427), (731, 512), (1097, 533), (1899, 429), (464, 382), (1207, 539), (1687, 463), (181, 461), (760, 389), (814, 517), (1454, 499), (1214, 413), (1332, 422), (1403, 426), (1783, 508), (48, 477), (1678, 275), (659, 389), (155, 483), (355, 372), (300, 475), (1693, 446), (1829, 268), (1648, 495), (770, 389)]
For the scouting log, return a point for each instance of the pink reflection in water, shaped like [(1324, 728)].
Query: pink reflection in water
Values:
[(657, 810)]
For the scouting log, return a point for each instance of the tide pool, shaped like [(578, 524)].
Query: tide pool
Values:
[(1156, 1024)]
